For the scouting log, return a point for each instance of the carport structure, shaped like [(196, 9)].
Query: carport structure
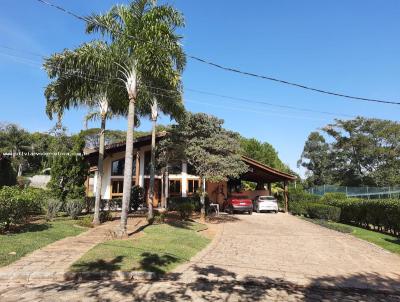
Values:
[(258, 173), (264, 175)]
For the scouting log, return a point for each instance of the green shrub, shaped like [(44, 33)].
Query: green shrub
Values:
[(158, 218), (86, 221), (137, 198), (53, 206), (8, 176), (74, 207), (299, 195), (333, 196), (18, 205), (315, 210), (106, 216), (383, 214), (298, 208), (322, 211), (174, 202), (185, 210), (380, 214)]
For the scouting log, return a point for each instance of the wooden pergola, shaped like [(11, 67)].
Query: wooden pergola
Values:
[(263, 174)]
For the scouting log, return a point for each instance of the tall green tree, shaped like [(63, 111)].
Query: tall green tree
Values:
[(91, 136), (366, 151), (7, 173), (316, 158), (14, 139), (169, 104), (86, 77), (147, 34), (262, 152), (360, 152), (212, 151), (68, 167)]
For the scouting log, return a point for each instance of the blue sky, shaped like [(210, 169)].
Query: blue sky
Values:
[(346, 46)]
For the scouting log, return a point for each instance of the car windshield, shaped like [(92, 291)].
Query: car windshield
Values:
[(264, 198)]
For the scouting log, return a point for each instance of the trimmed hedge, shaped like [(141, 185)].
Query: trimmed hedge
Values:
[(299, 195), (323, 211), (315, 210), (18, 205), (186, 205), (331, 196), (111, 204), (378, 214), (381, 214), (173, 203)]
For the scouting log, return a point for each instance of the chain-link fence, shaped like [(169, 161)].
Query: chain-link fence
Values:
[(362, 192)]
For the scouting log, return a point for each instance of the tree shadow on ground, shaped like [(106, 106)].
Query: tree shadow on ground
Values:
[(212, 283), (29, 228), (138, 230), (395, 241), (99, 265), (151, 262), (183, 224)]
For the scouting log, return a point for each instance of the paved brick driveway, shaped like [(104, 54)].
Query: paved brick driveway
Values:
[(260, 257)]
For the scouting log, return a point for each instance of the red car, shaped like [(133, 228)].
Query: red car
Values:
[(238, 203)]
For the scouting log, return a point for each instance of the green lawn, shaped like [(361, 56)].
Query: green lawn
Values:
[(35, 236), (159, 250), (388, 242)]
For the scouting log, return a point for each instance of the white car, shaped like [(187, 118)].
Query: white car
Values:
[(265, 203)]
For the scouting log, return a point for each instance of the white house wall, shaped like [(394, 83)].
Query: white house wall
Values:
[(106, 183)]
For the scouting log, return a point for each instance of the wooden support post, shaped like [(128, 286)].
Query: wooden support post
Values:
[(260, 186), (87, 185), (137, 168), (269, 189), (166, 188), (285, 195)]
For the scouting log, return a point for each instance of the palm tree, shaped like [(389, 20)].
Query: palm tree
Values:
[(76, 83), (167, 103), (146, 33)]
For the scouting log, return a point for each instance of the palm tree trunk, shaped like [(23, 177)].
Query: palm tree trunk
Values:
[(154, 115), (100, 172), (126, 196), (152, 170)]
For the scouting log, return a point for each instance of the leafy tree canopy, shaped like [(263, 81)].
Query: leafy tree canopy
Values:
[(262, 152), (317, 160), (91, 135), (7, 173), (211, 150), (362, 152), (69, 169)]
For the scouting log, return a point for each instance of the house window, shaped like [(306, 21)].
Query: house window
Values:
[(118, 167), (117, 187), (147, 160), (193, 186), (174, 187)]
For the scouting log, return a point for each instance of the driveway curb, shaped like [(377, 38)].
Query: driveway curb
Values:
[(80, 276)]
